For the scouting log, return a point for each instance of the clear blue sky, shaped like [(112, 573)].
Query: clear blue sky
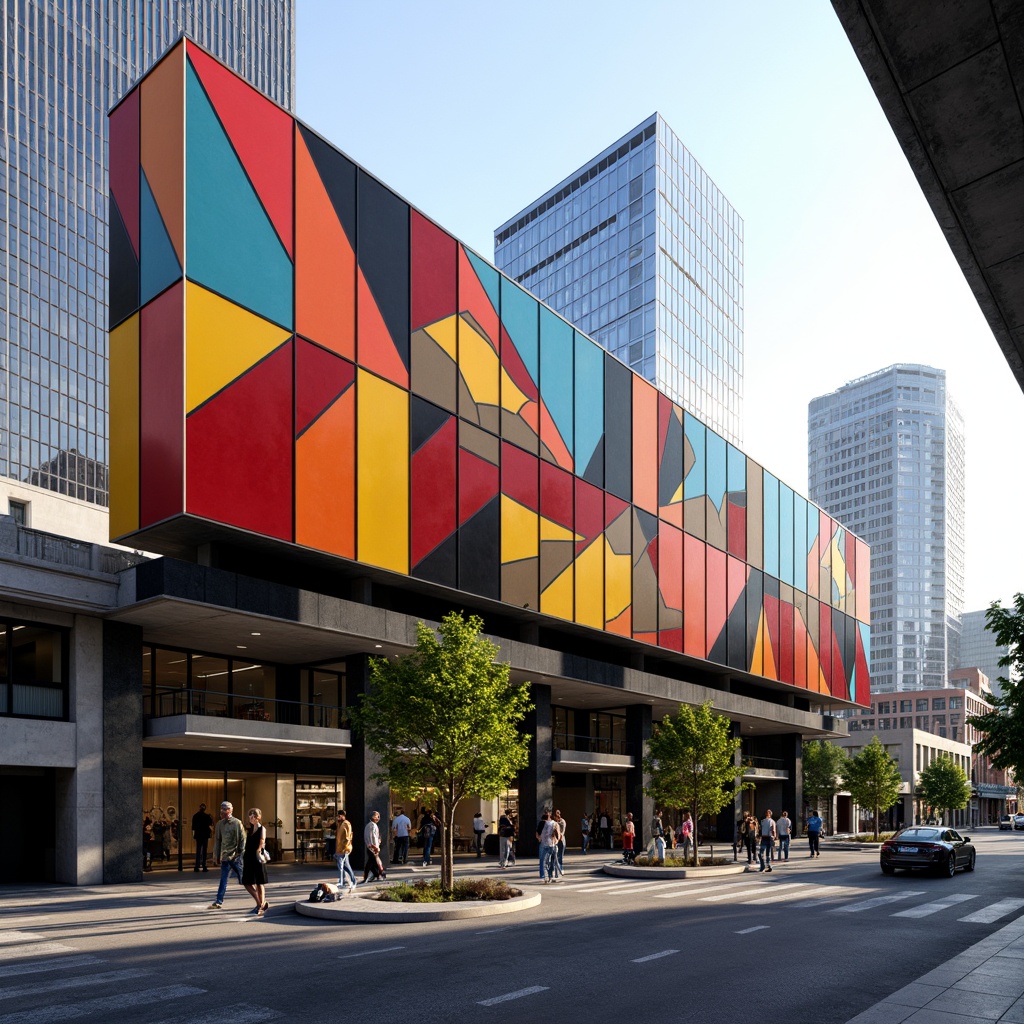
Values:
[(471, 110)]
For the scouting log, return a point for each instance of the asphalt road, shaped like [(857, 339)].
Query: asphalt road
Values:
[(816, 940)]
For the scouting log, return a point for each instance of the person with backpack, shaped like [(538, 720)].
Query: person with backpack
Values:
[(506, 839), (429, 833), (342, 850)]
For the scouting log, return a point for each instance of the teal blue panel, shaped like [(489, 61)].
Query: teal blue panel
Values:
[(813, 522), (800, 542), (771, 525), (159, 265), (231, 246), (519, 315), (864, 628), (556, 360), (488, 276), (786, 573), (695, 482), (737, 471), (589, 389), (716, 469)]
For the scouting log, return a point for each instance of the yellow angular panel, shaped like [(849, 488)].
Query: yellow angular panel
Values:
[(382, 502), (222, 341), (838, 570), (618, 584), (478, 364), (552, 531), (518, 531), (557, 598), (590, 585), (444, 332), (511, 397), (124, 439)]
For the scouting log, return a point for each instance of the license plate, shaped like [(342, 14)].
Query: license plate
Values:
[(907, 849)]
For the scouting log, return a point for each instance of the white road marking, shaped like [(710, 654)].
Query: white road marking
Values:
[(491, 931), (494, 1000), (878, 901), (60, 963), (926, 909), (7, 938), (761, 890), (993, 912), (836, 893), (62, 984), (805, 888), (34, 949), (226, 1015), (697, 891), (655, 956), (370, 952), (121, 1001), (670, 884), (756, 928)]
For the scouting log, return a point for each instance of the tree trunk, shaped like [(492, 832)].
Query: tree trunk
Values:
[(448, 805), (876, 823)]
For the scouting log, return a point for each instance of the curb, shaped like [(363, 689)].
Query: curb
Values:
[(628, 871), (368, 910)]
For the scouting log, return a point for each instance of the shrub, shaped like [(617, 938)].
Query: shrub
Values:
[(464, 889)]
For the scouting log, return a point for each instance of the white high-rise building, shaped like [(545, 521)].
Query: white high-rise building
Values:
[(641, 250), (978, 649), (885, 456)]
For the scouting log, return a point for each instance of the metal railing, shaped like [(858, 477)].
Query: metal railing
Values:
[(169, 701), (775, 764), (590, 744)]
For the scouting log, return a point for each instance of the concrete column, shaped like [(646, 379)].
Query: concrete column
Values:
[(639, 721), (363, 795), (535, 788), (793, 787), (729, 815), (121, 751)]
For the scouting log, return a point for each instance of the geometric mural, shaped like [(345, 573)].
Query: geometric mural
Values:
[(299, 354)]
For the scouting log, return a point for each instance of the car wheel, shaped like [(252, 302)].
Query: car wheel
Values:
[(888, 869), (951, 865), (970, 864)]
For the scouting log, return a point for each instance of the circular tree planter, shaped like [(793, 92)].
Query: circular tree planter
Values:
[(369, 910)]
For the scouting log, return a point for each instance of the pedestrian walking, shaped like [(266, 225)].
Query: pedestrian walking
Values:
[(479, 831), (585, 832), (506, 838), (429, 833), (686, 836), (228, 847), (628, 840), (202, 825), (548, 838), (750, 830), (605, 826), (400, 827), (342, 852), (371, 840), (254, 870), (562, 826), (784, 827), (814, 824), (658, 835), (768, 836), (542, 853)]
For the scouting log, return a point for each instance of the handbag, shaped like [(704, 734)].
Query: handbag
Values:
[(264, 856)]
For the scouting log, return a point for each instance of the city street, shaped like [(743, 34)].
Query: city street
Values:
[(816, 940)]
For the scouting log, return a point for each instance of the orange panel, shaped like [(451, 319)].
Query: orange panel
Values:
[(325, 265), (162, 146), (694, 600), (645, 445), (377, 351), (325, 465)]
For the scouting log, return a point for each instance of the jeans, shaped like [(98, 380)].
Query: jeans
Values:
[(750, 842), (401, 849), (226, 867), (783, 853), (687, 849), (202, 846), (551, 862), (344, 868), (543, 860), (478, 843), (507, 853), (428, 845), (659, 847), (586, 841), (764, 854), (561, 858), (812, 838)]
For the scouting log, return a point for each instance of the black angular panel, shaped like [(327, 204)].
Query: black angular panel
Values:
[(594, 473), (123, 269), (736, 631), (479, 552), (382, 250), (440, 566), (425, 421), (618, 429), (338, 174)]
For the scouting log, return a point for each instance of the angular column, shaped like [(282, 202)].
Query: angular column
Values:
[(638, 732), (535, 789)]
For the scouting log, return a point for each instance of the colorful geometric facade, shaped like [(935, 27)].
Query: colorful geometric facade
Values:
[(298, 354)]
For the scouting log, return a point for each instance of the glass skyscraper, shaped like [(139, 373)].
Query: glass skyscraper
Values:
[(642, 251), (885, 456), (978, 649), (66, 63)]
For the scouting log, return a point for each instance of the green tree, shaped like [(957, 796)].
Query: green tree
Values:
[(824, 764), (873, 778), (691, 760), (944, 784), (1003, 727), (446, 717)]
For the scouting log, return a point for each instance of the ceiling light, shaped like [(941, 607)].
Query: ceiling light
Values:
[(378, 645), (255, 634), (241, 647)]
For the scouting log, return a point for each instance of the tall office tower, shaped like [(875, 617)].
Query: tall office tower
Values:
[(885, 456), (978, 649), (641, 251), (67, 62)]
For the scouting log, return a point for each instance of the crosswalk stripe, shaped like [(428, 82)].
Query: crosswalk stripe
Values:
[(835, 893), (62, 984), (226, 1015), (805, 888), (7, 938), (878, 901), (121, 1001), (696, 891), (761, 890), (668, 884), (34, 949), (927, 909), (993, 912), (599, 886), (60, 963)]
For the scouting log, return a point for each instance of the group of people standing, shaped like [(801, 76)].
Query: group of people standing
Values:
[(769, 838)]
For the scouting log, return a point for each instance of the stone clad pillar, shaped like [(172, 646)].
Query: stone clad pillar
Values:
[(639, 721), (535, 787)]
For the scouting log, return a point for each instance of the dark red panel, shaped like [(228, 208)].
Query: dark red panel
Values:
[(124, 163), (737, 530), (556, 495), (320, 377), (513, 364), (520, 476), (716, 595), (478, 484), (825, 642), (162, 407), (589, 512), (433, 490), (432, 272), (786, 650), (670, 583), (694, 603), (239, 451), (613, 508)]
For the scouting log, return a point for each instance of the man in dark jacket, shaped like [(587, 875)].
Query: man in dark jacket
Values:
[(202, 823)]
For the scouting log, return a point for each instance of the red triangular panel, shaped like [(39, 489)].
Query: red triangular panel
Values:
[(613, 508), (478, 484), (473, 299), (124, 163), (261, 134), (432, 483), (513, 364), (377, 351), (320, 377)]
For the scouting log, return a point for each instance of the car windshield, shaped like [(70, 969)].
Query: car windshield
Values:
[(920, 833)]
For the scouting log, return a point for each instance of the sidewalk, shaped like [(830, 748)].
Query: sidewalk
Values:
[(982, 984)]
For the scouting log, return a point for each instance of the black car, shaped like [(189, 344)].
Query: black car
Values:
[(930, 847)]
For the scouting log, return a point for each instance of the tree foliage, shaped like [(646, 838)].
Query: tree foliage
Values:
[(873, 778), (691, 760), (823, 764), (944, 784), (1003, 727), (446, 718)]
